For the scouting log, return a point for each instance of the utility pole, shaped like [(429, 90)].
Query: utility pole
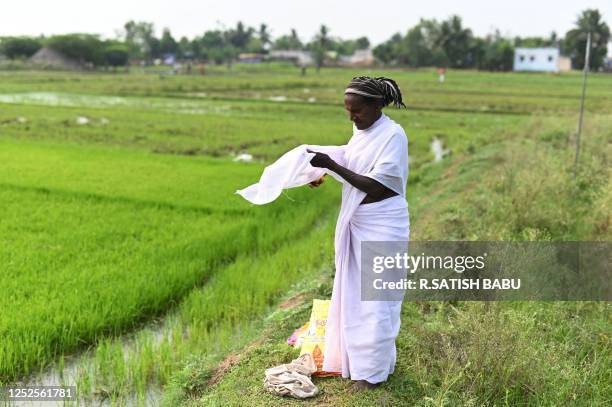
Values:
[(584, 79)]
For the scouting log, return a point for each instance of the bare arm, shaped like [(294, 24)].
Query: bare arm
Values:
[(368, 185)]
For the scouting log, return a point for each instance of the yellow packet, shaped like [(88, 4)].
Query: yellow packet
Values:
[(314, 341)]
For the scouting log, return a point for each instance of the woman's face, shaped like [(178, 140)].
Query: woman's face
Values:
[(360, 112)]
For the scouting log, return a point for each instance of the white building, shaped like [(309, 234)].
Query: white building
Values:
[(361, 57), (301, 58), (540, 60)]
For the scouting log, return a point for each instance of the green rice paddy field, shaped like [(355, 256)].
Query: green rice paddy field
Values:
[(129, 266)]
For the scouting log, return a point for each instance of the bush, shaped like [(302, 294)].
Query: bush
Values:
[(85, 48), (116, 54), (19, 47)]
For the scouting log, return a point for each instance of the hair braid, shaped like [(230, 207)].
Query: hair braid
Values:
[(377, 88)]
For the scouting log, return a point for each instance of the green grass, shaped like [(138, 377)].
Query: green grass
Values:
[(75, 219), (471, 353), (221, 316), (463, 91), (265, 129), (523, 188)]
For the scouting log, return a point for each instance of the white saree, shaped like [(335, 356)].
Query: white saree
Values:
[(360, 335)]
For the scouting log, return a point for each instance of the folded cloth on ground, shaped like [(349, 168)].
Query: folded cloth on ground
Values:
[(292, 379)]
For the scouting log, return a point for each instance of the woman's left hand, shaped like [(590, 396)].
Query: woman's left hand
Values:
[(320, 160), (317, 182)]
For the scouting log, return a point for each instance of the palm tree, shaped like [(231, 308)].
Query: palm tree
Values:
[(294, 36), (455, 41), (589, 21), (264, 35), (322, 37), (321, 44)]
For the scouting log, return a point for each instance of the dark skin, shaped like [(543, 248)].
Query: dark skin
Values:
[(363, 112)]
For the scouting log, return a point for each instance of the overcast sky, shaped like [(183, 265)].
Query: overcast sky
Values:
[(348, 19)]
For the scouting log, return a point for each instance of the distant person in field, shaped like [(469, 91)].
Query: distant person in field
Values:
[(441, 73), (360, 335)]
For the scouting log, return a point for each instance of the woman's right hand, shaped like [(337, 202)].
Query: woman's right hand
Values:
[(317, 182), (321, 160)]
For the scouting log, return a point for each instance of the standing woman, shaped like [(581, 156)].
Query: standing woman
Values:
[(373, 166)]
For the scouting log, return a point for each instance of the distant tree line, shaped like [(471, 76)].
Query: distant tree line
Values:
[(444, 43), (84, 48), (448, 43)]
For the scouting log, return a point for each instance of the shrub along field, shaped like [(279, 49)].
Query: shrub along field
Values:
[(118, 210)]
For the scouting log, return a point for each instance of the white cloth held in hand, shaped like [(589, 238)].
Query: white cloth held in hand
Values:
[(291, 170)]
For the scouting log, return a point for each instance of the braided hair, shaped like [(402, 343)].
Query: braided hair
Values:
[(377, 88)]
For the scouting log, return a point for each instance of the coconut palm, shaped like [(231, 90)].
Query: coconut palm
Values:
[(589, 21)]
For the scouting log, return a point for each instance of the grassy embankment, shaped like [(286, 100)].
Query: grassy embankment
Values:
[(469, 353)]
